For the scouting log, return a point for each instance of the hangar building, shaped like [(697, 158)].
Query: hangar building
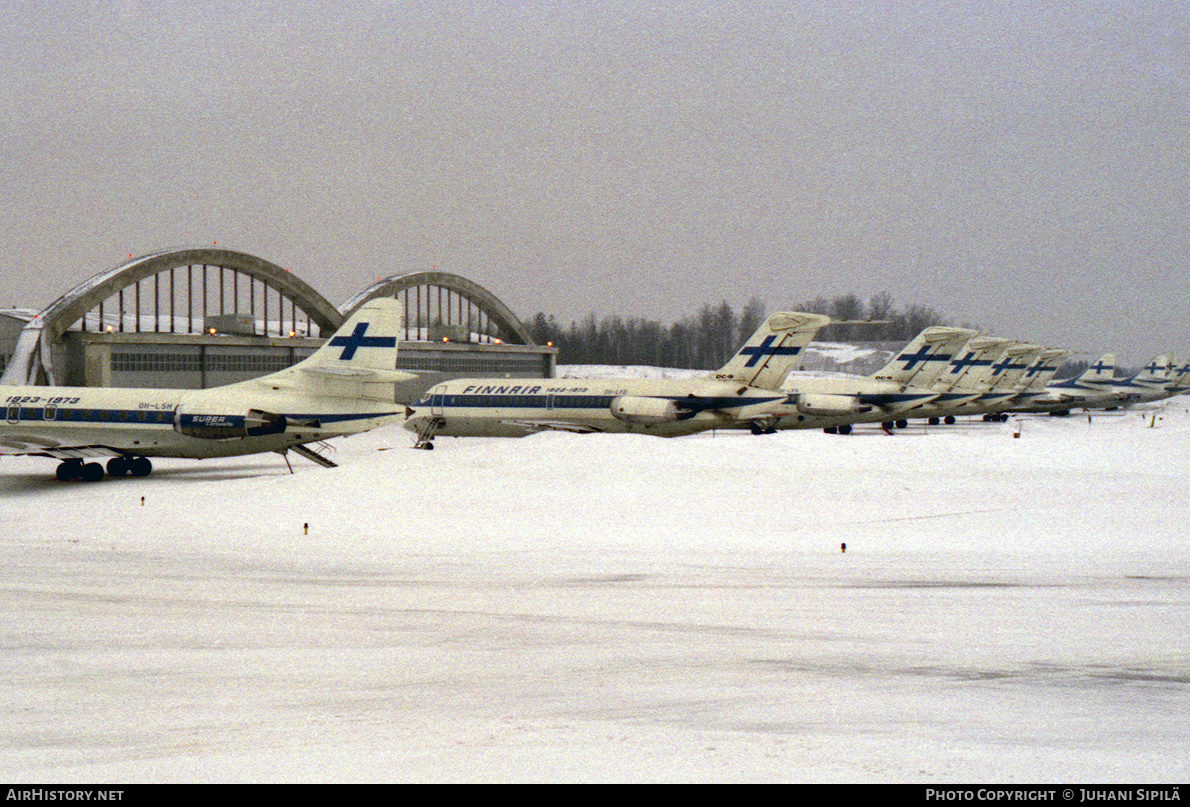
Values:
[(204, 317)]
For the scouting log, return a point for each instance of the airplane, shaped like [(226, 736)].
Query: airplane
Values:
[(1036, 378), (964, 379), (835, 403), (1181, 378), (1092, 389), (1150, 383), (1003, 382), (344, 387), (668, 407)]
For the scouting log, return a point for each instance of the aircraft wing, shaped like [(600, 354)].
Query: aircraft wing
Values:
[(553, 425), (31, 446)]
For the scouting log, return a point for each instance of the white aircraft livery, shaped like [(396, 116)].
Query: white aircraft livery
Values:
[(489, 407), (345, 387)]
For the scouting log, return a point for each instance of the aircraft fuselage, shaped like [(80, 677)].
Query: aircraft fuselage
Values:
[(668, 407), (91, 421)]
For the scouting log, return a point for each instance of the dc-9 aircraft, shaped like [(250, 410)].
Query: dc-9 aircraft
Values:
[(739, 392)]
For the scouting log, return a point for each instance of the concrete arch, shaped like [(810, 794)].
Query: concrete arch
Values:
[(497, 312), (74, 304)]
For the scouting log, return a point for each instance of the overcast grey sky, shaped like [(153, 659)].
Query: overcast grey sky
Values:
[(1023, 166)]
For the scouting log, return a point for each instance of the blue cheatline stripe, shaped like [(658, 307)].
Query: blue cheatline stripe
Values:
[(880, 399), (579, 401), (80, 415), (127, 417)]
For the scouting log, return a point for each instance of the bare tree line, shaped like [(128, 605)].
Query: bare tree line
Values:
[(709, 338)]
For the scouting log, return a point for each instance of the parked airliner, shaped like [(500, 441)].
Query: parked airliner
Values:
[(740, 391), (345, 387), (835, 402)]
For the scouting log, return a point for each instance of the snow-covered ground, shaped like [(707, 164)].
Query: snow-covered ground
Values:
[(612, 608)]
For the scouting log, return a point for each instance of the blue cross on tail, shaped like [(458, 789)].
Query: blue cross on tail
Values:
[(357, 340), (766, 349), (968, 361), (923, 355)]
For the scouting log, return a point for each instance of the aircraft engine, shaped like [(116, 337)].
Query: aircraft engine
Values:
[(828, 404), (222, 426), (641, 409)]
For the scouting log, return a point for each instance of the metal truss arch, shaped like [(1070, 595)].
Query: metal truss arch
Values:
[(74, 304), (32, 361), (509, 328)]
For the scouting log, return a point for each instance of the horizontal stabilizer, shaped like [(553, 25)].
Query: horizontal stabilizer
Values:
[(361, 374)]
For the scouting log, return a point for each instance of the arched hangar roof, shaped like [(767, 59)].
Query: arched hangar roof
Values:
[(32, 360), (71, 306), (498, 312)]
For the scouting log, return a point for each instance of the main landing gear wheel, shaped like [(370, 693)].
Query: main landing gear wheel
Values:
[(122, 466), (93, 472), (75, 469)]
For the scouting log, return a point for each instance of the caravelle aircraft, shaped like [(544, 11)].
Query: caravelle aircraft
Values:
[(487, 407), (345, 387)]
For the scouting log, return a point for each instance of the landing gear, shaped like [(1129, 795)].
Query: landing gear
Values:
[(75, 469), (845, 428), (93, 471), (901, 424), (934, 421), (71, 469), (948, 420)]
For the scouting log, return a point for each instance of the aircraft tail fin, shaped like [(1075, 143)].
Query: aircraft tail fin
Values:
[(771, 353), (972, 366), (1007, 373), (1103, 371), (1153, 374), (1043, 368), (922, 360), (360, 356)]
